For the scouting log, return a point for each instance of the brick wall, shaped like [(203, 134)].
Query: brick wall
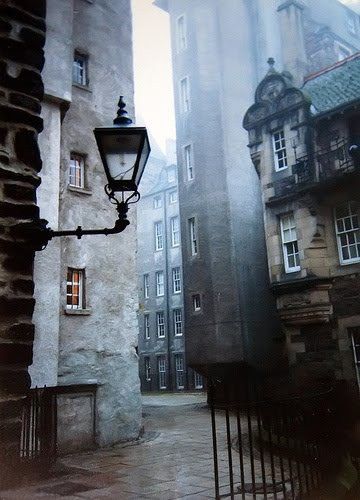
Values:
[(22, 37)]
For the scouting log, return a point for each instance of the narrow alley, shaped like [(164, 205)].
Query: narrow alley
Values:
[(172, 460)]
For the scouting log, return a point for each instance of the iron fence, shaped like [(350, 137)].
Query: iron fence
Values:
[(39, 421), (272, 449)]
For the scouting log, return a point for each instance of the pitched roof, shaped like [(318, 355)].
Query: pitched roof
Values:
[(335, 86)]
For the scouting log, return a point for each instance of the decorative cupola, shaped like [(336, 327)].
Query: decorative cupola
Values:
[(275, 96)]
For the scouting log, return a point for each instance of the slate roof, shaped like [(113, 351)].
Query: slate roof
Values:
[(334, 87)]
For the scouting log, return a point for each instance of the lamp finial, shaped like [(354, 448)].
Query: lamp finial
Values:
[(121, 118)]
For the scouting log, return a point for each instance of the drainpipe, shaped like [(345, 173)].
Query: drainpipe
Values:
[(167, 293)]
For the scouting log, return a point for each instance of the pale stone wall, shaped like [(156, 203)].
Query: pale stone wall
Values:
[(97, 344)]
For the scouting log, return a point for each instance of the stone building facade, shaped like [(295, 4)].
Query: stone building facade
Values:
[(305, 146), (86, 298), (22, 37), (162, 361), (230, 315)]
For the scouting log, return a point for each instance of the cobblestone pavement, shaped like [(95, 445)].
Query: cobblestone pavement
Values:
[(173, 459)]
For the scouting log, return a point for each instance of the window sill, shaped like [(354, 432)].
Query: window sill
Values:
[(77, 312), (82, 87), (79, 190)]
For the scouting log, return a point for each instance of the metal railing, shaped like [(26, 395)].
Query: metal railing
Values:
[(323, 165), (39, 426), (279, 449)]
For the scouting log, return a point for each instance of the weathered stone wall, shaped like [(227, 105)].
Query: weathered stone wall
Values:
[(22, 36), (97, 343)]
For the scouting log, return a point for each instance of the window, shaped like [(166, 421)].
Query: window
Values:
[(181, 34), (177, 315), (351, 23), (147, 369), (198, 381), (160, 324), (159, 238), (146, 286), (189, 162), (342, 52), (355, 341), (179, 368), (196, 301), (171, 175), (192, 235), (75, 289), (279, 150), (162, 372), (289, 243), (348, 232), (173, 196), (147, 326), (160, 288), (157, 202), (176, 280), (175, 231), (80, 69), (184, 95), (76, 170)]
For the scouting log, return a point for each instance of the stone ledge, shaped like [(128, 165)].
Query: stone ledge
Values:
[(79, 190), (77, 312)]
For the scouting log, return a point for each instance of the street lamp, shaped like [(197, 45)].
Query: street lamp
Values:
[(124, 150)]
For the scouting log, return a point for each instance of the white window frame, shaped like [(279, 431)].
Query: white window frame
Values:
[(286, 242), (76, 170), (351, 23), (193, 236), (160, 283), (160, 324), (342, 51), (146, 286), (196, 302), (177, 317), (175, 231), (159, 235), (181, 30), (171, 175), (79, 69), (354, 231), (75, 288), (173, 196), (147, 326), (179, 371), (198, 381), (189, 162), (147, 368), (157, 202), (279, 150), (184, 93), (161, 364), (176, 279)]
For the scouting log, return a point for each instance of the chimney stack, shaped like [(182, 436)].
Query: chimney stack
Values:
[(291, 14)]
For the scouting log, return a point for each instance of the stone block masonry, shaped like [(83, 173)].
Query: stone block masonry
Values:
[(22, 37)]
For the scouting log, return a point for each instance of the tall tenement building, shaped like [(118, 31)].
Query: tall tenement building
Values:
[(86, 297), (162, 361), (305, 144), (220, 49)]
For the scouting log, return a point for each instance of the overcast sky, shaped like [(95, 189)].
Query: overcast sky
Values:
[(152, 62)]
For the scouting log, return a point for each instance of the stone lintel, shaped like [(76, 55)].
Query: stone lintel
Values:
[(303, 315)]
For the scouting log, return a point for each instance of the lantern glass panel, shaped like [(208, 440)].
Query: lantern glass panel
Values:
[(143, 159), (121, 153)]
